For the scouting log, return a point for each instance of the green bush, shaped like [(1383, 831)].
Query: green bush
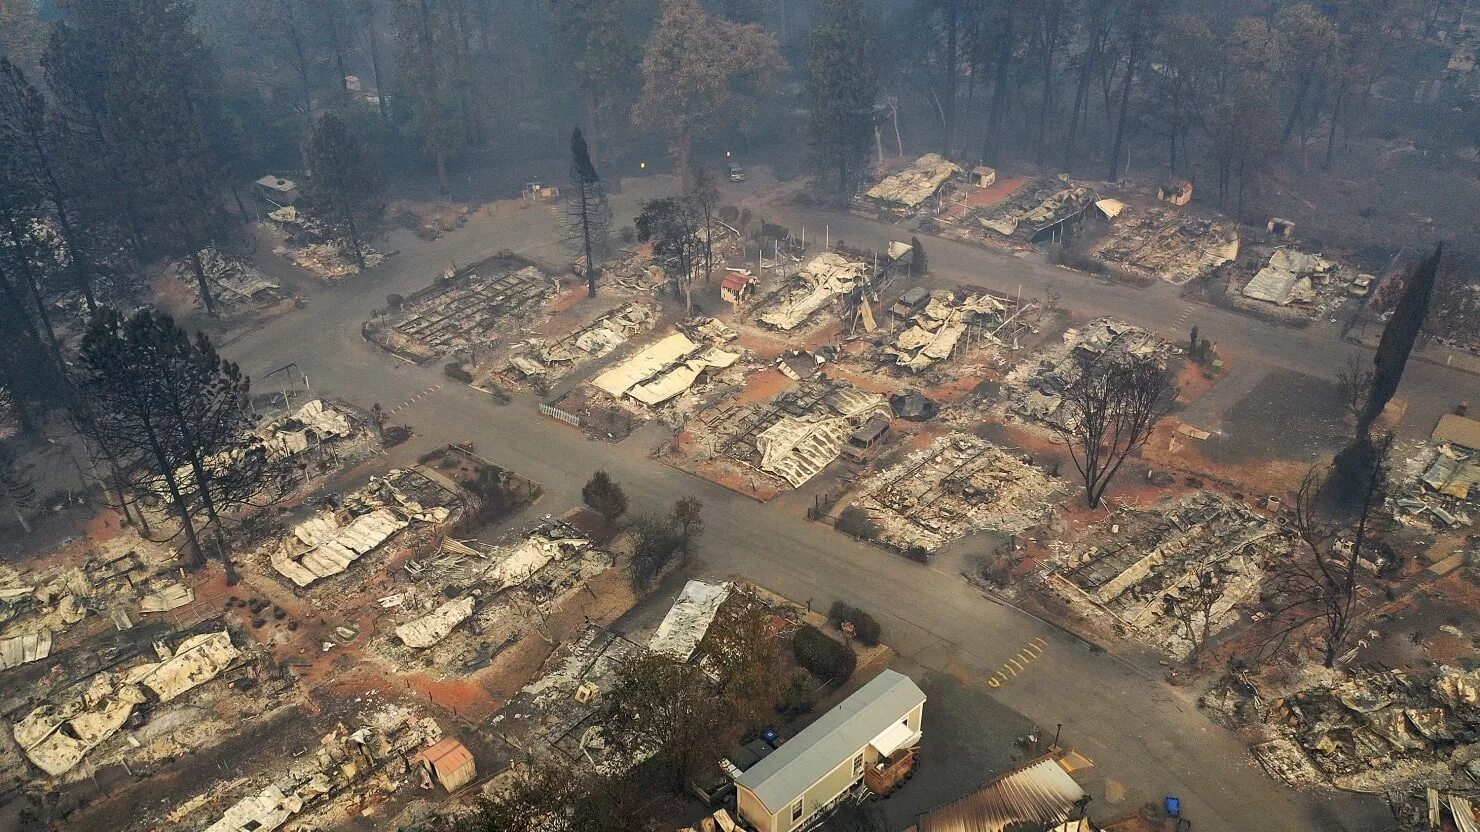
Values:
[(798, 696), (865, 628), (826, 659)]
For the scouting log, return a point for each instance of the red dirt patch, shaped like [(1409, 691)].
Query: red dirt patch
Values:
[(1193, 383), (763, 385), (465, 698), (1004, 187), (567, 299), (873, 384)]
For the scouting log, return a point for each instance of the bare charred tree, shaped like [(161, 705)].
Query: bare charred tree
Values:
[(673, 229), (702, 199), (1108, 413), (1354, 387), (588, 216), (1316, 585)]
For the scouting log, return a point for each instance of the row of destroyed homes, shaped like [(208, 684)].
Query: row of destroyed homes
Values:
[(1145, 236)]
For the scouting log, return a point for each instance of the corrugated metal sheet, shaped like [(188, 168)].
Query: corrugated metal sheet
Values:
[(437, 624), (22, 649), (688, 619), (644, 365), (916, 183), (1040, 792)]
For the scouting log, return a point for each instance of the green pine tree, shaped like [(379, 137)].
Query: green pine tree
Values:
[(345, 184), (842, 86)]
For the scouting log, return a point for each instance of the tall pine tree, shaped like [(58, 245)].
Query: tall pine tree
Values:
[(173, 417), (842, 86), (588, 216), (139, 78), (345, 184)]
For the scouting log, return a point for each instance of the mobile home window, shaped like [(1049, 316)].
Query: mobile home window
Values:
[(858, 764), (796, 811)]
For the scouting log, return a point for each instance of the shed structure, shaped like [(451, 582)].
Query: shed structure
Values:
[(449, 762)]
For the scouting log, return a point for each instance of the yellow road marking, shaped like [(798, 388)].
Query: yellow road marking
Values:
[(1030, 652)]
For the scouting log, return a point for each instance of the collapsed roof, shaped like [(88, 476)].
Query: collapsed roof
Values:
[(826, 277), (934, 330), (1045, 203), (594, 340), (663, 370), (1168, 244), (916, 183), (503, 568), (327, 543), (797, 448), (56, 736), (304, 428), (1286, 279), (688, 619)]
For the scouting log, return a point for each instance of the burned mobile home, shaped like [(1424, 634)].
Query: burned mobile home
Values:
[(958, 485), (1042, 211), (795, 435), (471, 309), (1377, 730), (559, 715), (663, 370), (235, 285), (331, 540), (542, 362), (904, 191), (85, 713), (362, 762), (1039, 381), (305, 241), (1445, 492), (1167, 244), (934, 327), (112, 585), (824, 281), (456, 608), (1172, 576), (1293, 278)]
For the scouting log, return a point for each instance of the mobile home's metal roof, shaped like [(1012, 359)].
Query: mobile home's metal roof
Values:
[(786, 775), (1040, 792)]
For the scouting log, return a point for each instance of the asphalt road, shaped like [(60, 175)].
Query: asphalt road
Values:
[(1144, 735), (1317, 350)]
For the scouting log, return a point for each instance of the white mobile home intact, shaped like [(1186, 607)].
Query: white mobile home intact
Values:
[(812, 770)]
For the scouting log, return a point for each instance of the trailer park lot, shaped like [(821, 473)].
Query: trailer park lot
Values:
[(443, 587)]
